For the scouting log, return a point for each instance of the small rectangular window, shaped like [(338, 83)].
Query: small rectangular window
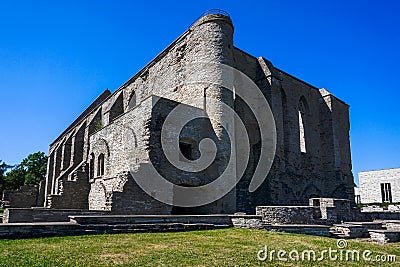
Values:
[(386, 192)]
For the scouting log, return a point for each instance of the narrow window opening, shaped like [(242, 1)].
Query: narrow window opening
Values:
[(117, 109), (91, 166), (386, 191), (186, 150), (100, 165), (303, 110), (303, 148), (132, 101)]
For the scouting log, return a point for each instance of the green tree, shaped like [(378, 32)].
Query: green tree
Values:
[(14, 179), (30, 171), (35, 166), (3, 168)]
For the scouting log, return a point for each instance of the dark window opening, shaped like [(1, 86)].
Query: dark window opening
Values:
[(358, 199), (386, 191), (186, 150), (100, 165), (132, 101), (117, 109), (91, 166)]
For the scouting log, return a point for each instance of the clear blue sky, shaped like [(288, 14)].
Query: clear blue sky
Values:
[(56, 57)]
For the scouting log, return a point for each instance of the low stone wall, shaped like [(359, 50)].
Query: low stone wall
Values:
[(393, 225), (326, 211), (246, 221), (289, 214), (384, 236), (24, 197), (338, 215), (30, 230), (372, 209), (214, 219), (317, 230), (383, 215), (375, 208), (30, 215)]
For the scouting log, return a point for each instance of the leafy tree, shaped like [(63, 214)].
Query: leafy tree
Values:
[(3, 168), (35, 166), (15, 178), (30, 171)]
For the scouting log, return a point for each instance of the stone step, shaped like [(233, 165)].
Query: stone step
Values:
[(392, 225), (368, 225), (349, 231), (307, 229), (30, 230), (153, 227), (151, 219), (384, 236)]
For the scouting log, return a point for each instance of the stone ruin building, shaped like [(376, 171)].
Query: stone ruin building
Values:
[(91, 184), (88, 166)]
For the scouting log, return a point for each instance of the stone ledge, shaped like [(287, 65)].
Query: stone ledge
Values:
[(133, 219), (33, 230), (384, 236), (317, 230)]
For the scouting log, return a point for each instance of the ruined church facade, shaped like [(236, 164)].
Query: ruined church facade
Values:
[(91, 163)]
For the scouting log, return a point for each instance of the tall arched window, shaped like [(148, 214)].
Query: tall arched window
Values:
[(100, 165), (117, 108), (91, 166), (286, 125), (303, 110), (132, 101)]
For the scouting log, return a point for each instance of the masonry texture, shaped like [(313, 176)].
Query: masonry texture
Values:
[(91, 162), (379, 186)]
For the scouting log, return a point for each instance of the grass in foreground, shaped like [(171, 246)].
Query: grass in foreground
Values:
[(228, 247)]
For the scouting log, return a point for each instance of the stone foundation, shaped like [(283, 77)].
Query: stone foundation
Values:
[(24, 197), (289, 215), (34, 215)]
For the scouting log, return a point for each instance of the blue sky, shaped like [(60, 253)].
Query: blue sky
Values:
[(56, 57)]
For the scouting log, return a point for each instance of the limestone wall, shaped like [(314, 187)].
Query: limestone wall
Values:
[(370, 185), (313, 154), (24, 197), (289, 215)]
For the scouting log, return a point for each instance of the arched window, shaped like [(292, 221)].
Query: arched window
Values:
[(91, 166), (117, 108), (100, 165), (132, 101), (303, 110), (286, 126)]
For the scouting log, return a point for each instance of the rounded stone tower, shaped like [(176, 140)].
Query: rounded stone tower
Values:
[(212, 38)]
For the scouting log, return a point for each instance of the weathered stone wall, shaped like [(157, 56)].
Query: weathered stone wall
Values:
[(325, 211), (324, 170), (35, 215), (246, 221), (41, 194), (207, 41), (118, 133), (24, 197), (289, 215), (370, 185)]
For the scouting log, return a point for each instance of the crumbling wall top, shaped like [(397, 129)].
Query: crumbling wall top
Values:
[(213, 15)]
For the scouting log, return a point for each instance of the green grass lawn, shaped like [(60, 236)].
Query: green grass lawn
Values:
[(227, 247)]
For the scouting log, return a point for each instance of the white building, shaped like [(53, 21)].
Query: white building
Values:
[(381, 186)]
